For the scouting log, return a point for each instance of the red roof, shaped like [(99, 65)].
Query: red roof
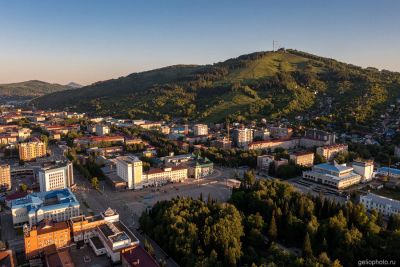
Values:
[(16, 196), (139, 257)]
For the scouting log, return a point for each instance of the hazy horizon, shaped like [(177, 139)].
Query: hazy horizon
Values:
[(86, 42)]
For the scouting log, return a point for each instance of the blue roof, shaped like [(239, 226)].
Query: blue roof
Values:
[(61, 199), (332, 167), (391, 170)]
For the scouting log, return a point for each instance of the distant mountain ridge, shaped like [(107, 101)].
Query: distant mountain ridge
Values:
[(34, 88), (272, 84)]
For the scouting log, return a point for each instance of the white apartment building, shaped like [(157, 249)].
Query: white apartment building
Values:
[(334, 175), (56, 205), (200, 129), (102, 129), (242, 137), (130, 169), (57, 176), (162, 176), (386, 206)]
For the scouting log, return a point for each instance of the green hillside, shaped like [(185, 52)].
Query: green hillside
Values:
[(284, 83), (32, 88)]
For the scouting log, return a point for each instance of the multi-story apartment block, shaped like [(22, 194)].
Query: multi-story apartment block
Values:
[(45, 235), (24, 134), (5, 177), (329, 152), (386, 206), (280, 132), (329, 138), (32, 150), (130, 169), (272, 144), (102, 129), (263, 134), (334, 175), (242, 137), (264, 161), (223, 143), (303, 158), (56, 176), (56, 205), (200, 129)]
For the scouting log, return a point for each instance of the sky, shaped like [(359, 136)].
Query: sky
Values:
[(85, 41)]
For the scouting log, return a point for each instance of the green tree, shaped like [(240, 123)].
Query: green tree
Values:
[(272, 230), (23, 187), (307, 249), (95, 183)]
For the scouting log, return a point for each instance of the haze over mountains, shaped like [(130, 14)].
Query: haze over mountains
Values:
[(34, 88), (283, 83)]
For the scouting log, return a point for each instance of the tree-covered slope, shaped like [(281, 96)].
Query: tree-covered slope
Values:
[(284, 83), (32, 88)]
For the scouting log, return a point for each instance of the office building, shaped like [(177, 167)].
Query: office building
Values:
[(32, 150), (56, 176), (56, 205), (200, 129), (329, 152), (130, 169), (384, 205), (242, 137), (102, 129), (333, 175), (305, 159), (5, 177)]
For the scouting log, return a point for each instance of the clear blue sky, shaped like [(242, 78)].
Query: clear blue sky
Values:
[(86, 41)]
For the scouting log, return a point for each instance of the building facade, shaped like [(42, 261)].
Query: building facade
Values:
[(200, 129), (333, 175), (44, 235), (56, 205), (102, 129), (32, 150), (130, 169), (242, 137), (384, 205), (365, 169), (329, 138), (303, 158), (56, 176), (329, 152), (5, 177)]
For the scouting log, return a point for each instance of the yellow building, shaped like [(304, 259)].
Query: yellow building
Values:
[(303, 158), (5, 176), (32, 150), (46, 235)]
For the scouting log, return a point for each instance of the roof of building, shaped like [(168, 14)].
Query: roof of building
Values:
[(55, 199), (139, 257), (6, 258), (389, 170), (58, 258), (382, 200), (333, 167)]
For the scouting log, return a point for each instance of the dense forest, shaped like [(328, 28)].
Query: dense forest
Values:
[(33, 88), (284, 83), (267, 223)]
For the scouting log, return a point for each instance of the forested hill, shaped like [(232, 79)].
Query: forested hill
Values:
[(33, 88), (284, 83)]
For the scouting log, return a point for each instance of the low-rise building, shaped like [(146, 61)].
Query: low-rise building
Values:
[(56, 205), (329, 152), (329, 138), (264, 161), (334, 175), (303, 158), (389, 172), (386, 206), (273, 144), (281, 132), (223, 143)]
